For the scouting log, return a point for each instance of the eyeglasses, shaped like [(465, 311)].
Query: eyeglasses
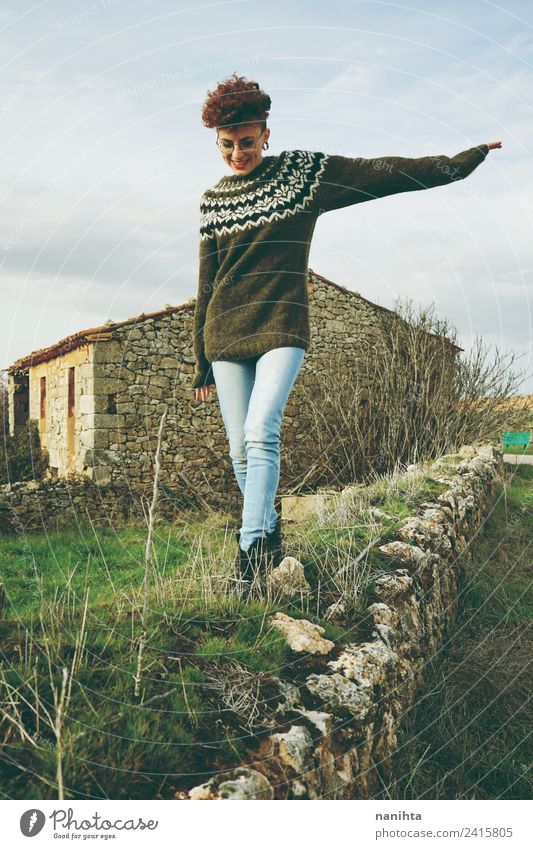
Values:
[(243, 144)]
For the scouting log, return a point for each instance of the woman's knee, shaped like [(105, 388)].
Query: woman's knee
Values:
[(261, 431), (237, 451)]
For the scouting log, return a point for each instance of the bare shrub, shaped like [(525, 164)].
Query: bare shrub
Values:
[(411, 397)]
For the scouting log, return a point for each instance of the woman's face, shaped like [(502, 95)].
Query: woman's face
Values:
[(241, 148)]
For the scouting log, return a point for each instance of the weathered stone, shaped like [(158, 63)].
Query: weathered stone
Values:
[(486, 452), (295, 508), (134, 334), (106, 385), (351, 490), (86, 404), (98, 457), (467, 451), (101, 475), (402, 552), (368, 664), (335, 612), (448, 459), (339, 694), (424, 533), (289, 696), (479, 464), (322, 721), (386, 634), (103, 420), (389, 586), (171, 363), (302, 635), (383, 614), (160, 381), (378, 513), (294, 748), (288, 579), (240, 783)]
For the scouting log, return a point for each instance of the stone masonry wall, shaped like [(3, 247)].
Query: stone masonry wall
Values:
[(336, 730), (63, 502), (66, 439)]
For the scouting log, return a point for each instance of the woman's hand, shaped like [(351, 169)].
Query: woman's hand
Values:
[(494, 145), (203, 392)]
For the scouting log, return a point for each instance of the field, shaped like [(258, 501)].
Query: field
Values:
[(72, 726), (71, 723)]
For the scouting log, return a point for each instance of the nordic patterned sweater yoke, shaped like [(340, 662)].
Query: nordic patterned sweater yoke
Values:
[(255, 238)]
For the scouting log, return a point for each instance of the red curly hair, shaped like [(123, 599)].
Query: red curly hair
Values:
[(234, 102)]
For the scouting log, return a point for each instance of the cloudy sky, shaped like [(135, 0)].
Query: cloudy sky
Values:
[(104, 157)]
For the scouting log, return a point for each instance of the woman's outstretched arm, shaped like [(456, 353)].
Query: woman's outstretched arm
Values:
[(345, 181)]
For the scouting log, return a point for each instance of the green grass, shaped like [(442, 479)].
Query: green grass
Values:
[(185, 725), (468, 736), (211, 663), (452, 459), (518, 449), (116, 745), (110, 561)]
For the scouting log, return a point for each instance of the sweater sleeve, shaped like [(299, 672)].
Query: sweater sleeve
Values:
[(208, 264), (347, 181)]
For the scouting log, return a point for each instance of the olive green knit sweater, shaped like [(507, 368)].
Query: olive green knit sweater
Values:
[(255, 237)]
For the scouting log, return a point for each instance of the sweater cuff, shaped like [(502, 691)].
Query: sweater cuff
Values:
[(198, 380), (203, 377)]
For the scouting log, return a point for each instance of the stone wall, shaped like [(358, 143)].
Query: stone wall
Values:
[(336, 730), (62, 502), (58, 503), (65, 437)]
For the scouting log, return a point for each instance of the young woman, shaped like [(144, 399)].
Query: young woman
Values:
[(251, 322)]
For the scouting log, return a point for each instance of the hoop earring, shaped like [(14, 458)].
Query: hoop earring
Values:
[(265, 146)]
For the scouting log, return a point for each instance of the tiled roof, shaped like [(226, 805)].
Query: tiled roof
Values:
[(83, 337)]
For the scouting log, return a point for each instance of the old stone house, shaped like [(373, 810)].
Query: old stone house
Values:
[(98, 394)]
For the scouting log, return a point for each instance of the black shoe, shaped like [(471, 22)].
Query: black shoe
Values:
[(275, 540), (252, 565)]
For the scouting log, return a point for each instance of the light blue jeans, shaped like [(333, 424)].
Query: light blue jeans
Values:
[(252, 394)]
